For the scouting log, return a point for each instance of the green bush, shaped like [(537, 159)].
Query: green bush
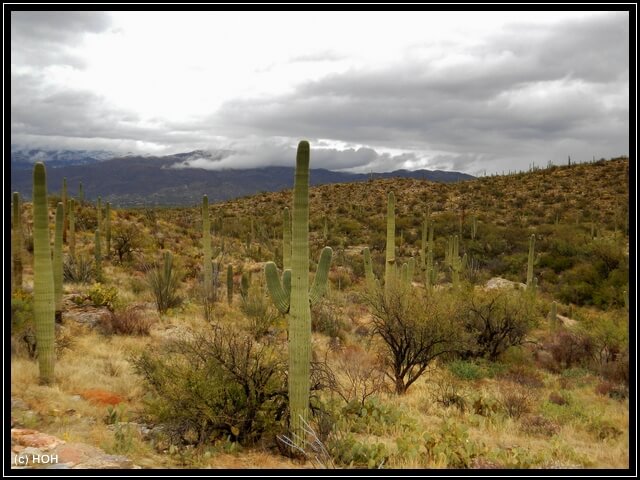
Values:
[(215, 385), (348, 451)]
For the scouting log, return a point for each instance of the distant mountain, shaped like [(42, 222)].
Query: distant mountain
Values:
[(138, 181), (23, 157)]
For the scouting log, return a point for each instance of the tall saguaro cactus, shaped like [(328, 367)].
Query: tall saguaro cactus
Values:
[(16, 249), (80, 194), (99, 214), (107, 229), (57, 261), (206, 249), (456, 263), (43, 291), (553, 316), (297, 302)]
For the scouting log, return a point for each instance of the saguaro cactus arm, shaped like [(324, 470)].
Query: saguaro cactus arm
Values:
[(279, 295), (319, 286)]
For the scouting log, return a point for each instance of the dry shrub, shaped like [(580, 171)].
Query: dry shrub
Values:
[(612, 390), (617, 371), (127, 322), (522, 375), (447, 390), (538, 425), (570, 349), (515, 400), (558, 399), (361, 375)]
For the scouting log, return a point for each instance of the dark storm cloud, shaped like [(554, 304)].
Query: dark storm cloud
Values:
[(526, 90), (47, 38)]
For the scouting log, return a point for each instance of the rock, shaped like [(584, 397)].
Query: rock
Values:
[(33, 438), (101, 397), (90, 316), (498, 282), (18, 404)]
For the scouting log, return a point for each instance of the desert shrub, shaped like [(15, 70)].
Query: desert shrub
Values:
[(216, 384), (617, 371), (570, 349), (558, 398), (260, 311), (78, 269), (415, 330), (126, 239), (358, 375), (164, 281), (484, 406), (447, 391), (130, 321), (374, 417), (325, 319), (495, 320), (525, 376), (603, 429), (515, 400), (538, 425), (21, 311), (103, 295), (612, 390), (474, 369)]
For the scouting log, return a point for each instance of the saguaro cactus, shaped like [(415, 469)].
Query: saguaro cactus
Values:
[(43, 291), (206, 249), (99, 214), (430, 272), (286, 240), (455, 262), (65, 206), (80, 194), (57, 261), (72, 227), (297, 302), (17, 240)]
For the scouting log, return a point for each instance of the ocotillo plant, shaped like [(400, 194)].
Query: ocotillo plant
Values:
[(72, 227), (43, 292), (207, 267), (229, 284), (298, 302), (57, 262), (98, 256), (107, 229), (17, 246)]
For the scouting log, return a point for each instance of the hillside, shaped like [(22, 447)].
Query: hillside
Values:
[(514, 377)]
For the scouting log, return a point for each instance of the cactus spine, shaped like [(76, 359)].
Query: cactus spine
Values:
[(229, 284), (43, 291), (72, 227), (16, 262), (206, 248), (298, 301), (107, 229), (57, 261)]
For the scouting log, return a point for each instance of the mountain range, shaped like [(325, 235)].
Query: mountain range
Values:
[(135, 180)]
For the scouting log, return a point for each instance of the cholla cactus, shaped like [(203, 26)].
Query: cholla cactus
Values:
[(43, 290), (298, 300)]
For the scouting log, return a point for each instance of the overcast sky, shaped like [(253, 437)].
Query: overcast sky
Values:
[(371, 91)]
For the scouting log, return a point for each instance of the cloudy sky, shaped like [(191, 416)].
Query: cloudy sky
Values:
[(377, 91)]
